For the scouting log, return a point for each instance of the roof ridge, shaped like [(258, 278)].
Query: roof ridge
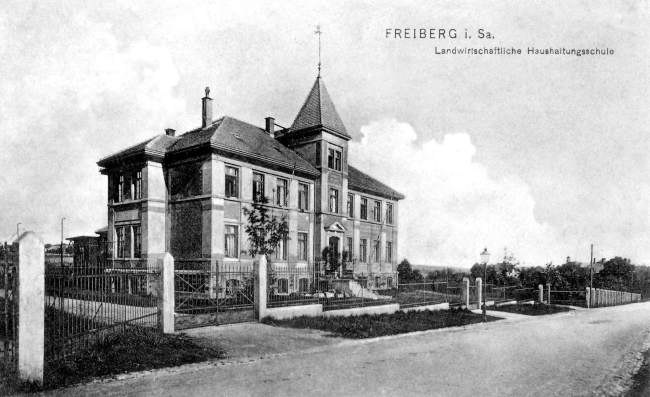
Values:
[(145, 142), (197, 129)]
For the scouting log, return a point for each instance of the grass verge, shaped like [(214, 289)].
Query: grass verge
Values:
[(641, 386), (536, 309), (372, 326), (131, 351)]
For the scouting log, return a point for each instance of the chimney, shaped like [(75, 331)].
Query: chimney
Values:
[(170, 132), (270, 126), (207, 108), (568, 259)]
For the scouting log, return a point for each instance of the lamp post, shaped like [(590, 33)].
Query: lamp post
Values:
[(485, 257)]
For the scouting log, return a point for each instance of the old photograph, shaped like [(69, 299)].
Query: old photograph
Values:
[(352, 198)]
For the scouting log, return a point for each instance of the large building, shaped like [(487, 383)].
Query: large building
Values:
[(186, 194)]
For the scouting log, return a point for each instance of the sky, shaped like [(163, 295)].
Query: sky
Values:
[(539, 155)]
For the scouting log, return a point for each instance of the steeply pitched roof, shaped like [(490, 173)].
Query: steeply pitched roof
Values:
[(156, 146), (319, 111), (241, 138), (227, 134), (364, 183)]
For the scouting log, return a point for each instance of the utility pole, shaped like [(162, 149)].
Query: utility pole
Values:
[(18, 230), (62, 243), (591, 275)]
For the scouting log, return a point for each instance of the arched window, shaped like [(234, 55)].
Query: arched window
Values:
[(303, 285)]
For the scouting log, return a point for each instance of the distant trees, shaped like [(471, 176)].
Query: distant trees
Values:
[(406, 274)]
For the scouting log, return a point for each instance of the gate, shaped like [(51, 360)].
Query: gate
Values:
[(211, 293)]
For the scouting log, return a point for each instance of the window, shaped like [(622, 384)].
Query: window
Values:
[(303, 285), (127, 187), (376, 211), (389, 251), (302, 246), (232, 182), (303, 196), (389, 214), (137, 185), (283, 286), (124, 242), (377, 253), (350, 247), (137, 242), (364, 208), (350, 206), (389, 282), (334, 159), (363, 245), (334, 201), (282, 192), (120, 188), (120, 242), (231, 249), (281, 250), (258, 186)]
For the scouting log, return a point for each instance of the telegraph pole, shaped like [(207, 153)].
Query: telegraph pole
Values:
[(591, 276), (62, 242)]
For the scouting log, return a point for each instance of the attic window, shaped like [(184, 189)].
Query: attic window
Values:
[(277, 148), (236, 136)]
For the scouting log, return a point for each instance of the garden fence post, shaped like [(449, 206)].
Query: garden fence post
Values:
[(587, 297), (466, 291), (166, 298), (260, 286), (31, 308), (479, 288), (548, 287), (541, 293)]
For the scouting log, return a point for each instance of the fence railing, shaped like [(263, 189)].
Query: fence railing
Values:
[(569, 298), (427, 293), (8, 312), (85, 304)]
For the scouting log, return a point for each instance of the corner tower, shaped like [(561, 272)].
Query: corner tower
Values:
[(319, 136)]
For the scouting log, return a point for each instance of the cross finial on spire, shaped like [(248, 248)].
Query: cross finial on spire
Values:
[(318, 32)]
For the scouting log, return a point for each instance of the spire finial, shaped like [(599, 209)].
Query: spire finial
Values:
[(207, 92), (318, 32)]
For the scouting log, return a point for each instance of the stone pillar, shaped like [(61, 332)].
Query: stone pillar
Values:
[(30, 340), (166, 302), (261, 286), (548, 287), (588, 297), (466, 291), (541, 293), (479, 290)]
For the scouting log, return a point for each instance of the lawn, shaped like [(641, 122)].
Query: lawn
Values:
[(536, 309), (117, 354), (372, 326)]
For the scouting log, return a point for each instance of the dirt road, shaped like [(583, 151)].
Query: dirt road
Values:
[(583, 353)]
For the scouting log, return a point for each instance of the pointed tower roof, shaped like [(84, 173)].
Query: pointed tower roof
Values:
[(319, 111)]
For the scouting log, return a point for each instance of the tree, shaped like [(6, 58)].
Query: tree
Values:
[(406, 274), (335, 261), (265, 231)]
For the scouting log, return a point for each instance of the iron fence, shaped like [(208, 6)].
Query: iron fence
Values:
[(212, 293), (570, 298), (425, 294), (85, 304), (8, 312)]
